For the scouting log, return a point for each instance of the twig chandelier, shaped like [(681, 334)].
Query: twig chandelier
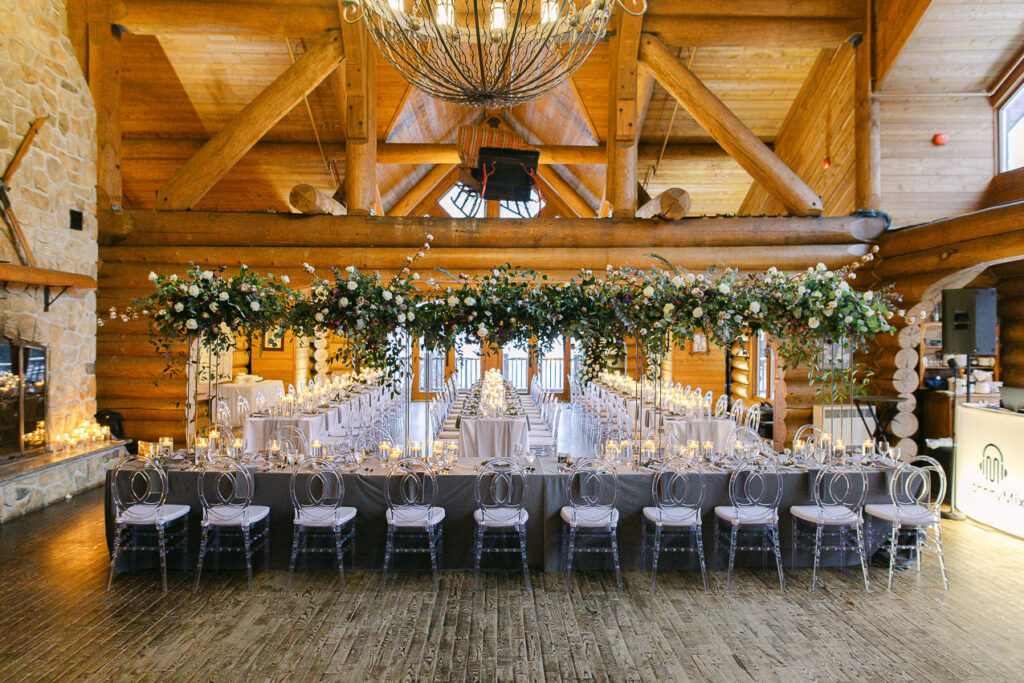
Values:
[(484, 53)]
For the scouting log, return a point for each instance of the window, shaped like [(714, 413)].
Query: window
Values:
[(1011, 132), (461, 202)]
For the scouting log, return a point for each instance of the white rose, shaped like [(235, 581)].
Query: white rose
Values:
[(821, 266), (844, 286), (360, 324), (698, 312), (869, 295), (152, 276), (387, 295), (352, 286), (677, 281), (207, 274), (399, 300), (174, 278), (401, 317), (816, 295), (690, 278), (773, 270), (213, 307), (179, 307), (470, 301), (319, 317), (255, 305), (481, 331), (415, 276), (755, 306), (161, 313), (411, 316), (801, 289), (724, 288), (452, 301), (344, 301), (813, 323), (285, 279), (193, 290), (223, 296), (350, 269), (667, 309), (191, 323), (848, 319), (648, 291)]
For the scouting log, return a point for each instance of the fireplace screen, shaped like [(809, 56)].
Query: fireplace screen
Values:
[(22, 399)]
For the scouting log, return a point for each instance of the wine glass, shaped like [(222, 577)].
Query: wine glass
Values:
[(531, 457)]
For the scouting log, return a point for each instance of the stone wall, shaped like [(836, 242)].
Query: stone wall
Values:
[(40, 76)]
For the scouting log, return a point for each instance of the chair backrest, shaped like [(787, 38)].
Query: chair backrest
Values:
[(836, 484), (317, 489), (411, 489), (679, 484), (291, 439), (912, 483), (242, 409), (736, 412), (754, 484), (593, 487), (260, 403), (138, 480), (225, 485), (370, 440), (501, 490), (220, 409), (744, 442), (722, 406), (753, 417)]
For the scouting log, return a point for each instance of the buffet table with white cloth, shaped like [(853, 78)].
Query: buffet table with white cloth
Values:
[(232, 390), (545, 496)]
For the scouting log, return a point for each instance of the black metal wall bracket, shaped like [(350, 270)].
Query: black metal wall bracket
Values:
[(47, 300)]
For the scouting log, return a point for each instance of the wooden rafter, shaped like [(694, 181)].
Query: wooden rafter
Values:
[(396, 117), (360, 118), (894, 23), (586, 111), (202, 171), (405, 205), (104, 62), (427, 204), (554, 200), (566, 192), (735, 138)]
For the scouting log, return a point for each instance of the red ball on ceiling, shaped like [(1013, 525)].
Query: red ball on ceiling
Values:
[(940, 139), (826, 163)]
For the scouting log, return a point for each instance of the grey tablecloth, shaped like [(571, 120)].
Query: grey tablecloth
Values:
[(545, 498)]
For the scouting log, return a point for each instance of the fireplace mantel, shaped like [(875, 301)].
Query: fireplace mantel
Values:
[(46, 278)]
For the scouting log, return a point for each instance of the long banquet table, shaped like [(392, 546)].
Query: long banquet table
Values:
[(546, 494)]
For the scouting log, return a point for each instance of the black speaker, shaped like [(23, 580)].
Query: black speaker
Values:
[(969, 321)]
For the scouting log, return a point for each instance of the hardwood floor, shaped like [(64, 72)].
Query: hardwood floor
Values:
[(56, 621)]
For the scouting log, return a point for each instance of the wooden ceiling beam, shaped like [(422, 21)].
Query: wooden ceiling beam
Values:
[(894, 22), (427, 204), (594, 132), (237, 137), (620, 169), (747, 31), (554, 200), (216, 228), (405, 205), (360, 118), (567, 192), (726, 128), (849, 9), (104, 75), (435, 153)]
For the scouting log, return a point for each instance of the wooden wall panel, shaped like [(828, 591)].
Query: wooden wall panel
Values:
[(922, 181), (819, 126)]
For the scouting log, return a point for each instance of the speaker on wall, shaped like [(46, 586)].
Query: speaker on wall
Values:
[(969, 321)]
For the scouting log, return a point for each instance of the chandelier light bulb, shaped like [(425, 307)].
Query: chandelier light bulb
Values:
[(395, 5), (548, 11), (446, 13), (498, 16)]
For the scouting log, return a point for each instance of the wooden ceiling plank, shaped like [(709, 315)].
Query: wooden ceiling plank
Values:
[(554, 200), (738, 140), (433, 198), (360, 118), (104, 75), (164, 17), (405, 205), (586, 111), (759, 8), (567, 192), (399, 112), (620, 170), (230, 144)]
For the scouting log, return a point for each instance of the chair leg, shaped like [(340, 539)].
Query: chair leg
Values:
[(793, 533), (161, 542), (295, 553), (917, 548), (522, 551), (247, 545), (893, 541), (202, 553), (568, 556), (341, 556), (115, 553), (657, 551), (184, 543), (774, 533), (862, 552), (389, 548), (478, 549), (942, 559), (699, 533), (266, 546), (817, 555), (615, 556), (433, 555), (732, 555)]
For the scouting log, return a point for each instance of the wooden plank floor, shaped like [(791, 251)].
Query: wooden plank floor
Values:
[(56, 621)]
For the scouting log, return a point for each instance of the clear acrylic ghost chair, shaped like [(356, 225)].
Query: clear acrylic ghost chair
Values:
[(291, 440), (707, 401), (500, 515), (743, 443), (736, 412), (220, 410), (225, 490), (138, 487), (752, 419), (914, 509), (317, 491), (411, 490), (755, 490), (242, 411), (722, 406), (369, 442), (807, 443), (835, 522), (678, 489), (591, 515)]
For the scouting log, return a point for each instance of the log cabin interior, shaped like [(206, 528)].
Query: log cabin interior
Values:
[(140, 137)]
